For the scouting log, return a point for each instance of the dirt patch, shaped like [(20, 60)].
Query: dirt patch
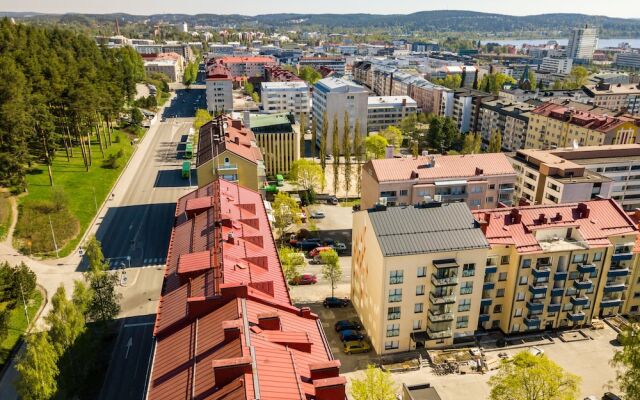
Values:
[(573, 336)]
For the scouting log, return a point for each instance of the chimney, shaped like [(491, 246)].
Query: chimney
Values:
[(330, 388), (269, 321), (246, 118), (479, 171), (227, 370), (583, 210), (425, 153), (558, 217), (516, 217), (236, 140), (324, 369), (305, 312), (542, 219), (236, 123), (389, 152), (404, 102), (230, 238), (231, 329)]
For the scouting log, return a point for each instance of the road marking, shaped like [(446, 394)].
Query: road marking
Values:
[(138, 324), (129, 344)]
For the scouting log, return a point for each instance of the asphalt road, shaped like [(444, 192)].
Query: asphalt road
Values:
[(127, 374)]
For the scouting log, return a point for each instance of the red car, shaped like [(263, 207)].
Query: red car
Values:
[(304, 279)]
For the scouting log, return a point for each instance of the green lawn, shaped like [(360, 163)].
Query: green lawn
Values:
[(18, 323), (5, 214), (84, 191)]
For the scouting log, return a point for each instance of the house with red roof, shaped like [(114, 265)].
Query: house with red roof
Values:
[(225, 327)]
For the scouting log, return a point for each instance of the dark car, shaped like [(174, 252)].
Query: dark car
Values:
[(610, 396), (347, 324), (350, 335), (334, 302), (308, 244)]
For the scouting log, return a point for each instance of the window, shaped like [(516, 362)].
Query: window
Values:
[(476, 189), (526, 263), (418, 308), (393, 313), (504, 260), (466, 287), (462, 322), (419, 290), (468, 270), (492, 187), (567, 307), (520, 296), (393, 330), (579, 258), (516, 328), (417, 324), (395, 295), (518, 312), (597, 256), (396, 277), (490, 199), (475, 203), (500, 293), (422, 272), (497, 309), (391, 344), (464, 305), (573, 275), (523, 280), (404, 192), (502, 276)]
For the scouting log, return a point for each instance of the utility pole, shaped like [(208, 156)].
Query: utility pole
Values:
[(95, 202), (24, 303), (53, 235)]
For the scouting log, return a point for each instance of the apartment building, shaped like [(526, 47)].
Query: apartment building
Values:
[(556, 266), (546, 177), (616, 97), (247, 67), (554, 125), (384, 111), (480, 180), (278, 137), (466, 108), (279, 74), (227, 149), (521, 96), (615, 168), (337, 64), (417, 274), (335, 97), (582, 43), (627, 60), (556, 65), (285, 97), (510, 120), (219, 89), (171, 68), (225, 314)]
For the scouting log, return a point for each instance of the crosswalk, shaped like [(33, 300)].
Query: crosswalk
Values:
[(146, 263)]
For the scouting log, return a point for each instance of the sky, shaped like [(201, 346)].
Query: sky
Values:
[(612, 8)]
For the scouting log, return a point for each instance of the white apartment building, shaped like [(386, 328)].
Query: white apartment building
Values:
[(466, 107), (334, 97), (285, 97), (556, 65), (582, 43), (171, 68), (627, 60), (219, 89), (383, 111)]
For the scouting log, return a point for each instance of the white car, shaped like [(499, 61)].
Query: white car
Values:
[(536, 351), (317, 215), (338, 246)]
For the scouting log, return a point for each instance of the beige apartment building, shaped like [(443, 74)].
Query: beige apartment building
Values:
[(557, 266), (545, 177), (555, 125), (617, 97), (417, 275), (480, 180)]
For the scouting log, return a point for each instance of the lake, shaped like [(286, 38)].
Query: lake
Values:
[(602, 43)]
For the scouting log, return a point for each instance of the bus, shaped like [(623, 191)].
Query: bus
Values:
[(186, 169), (279, 180), (188, 150)]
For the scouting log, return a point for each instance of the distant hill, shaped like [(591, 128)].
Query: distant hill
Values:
[(433, 21)]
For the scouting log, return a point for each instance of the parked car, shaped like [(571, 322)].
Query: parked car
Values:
[(335, 302), (304, 279), (346, 324), (610, 396), (317, 260), (355, 347), (318, 250), (350, 335), (327, 199), (307, 244), (339, 247), (317, 215), (536, 351)]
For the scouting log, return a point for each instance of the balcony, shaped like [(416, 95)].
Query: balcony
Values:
[(488, 285), (438, 334), (227, 167), (610, 302), (486, 302), (576, 316), (445, 264), (579, 301), (532, 322), (506, 188), (557, 291), (622, 255), (561, 275), (490, 269), (442, 299), (554, 307), (535, 307), (436, 316), (617, 272), (538, 289), (541, 272), (444, 280), (614, 287), (586, 268), (582, 284), (483, 318), (449, 197)]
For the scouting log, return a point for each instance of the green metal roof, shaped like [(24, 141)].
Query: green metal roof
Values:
[(262, 120)]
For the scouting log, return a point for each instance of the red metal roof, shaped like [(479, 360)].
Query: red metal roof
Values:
[(225, 326), (595, 221)]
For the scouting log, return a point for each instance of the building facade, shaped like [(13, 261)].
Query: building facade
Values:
[(219, 89), (466, 108), (616, 97), (509, 120), (336, 64), (480, 180), (334, 97), (627, 60), (556, 65), (384, 111), (416, 275), (582, 43), (171, 68), (279, 140), (285, 97)]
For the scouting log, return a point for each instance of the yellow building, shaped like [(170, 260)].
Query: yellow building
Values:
[(555, 266), (555, 125), (417, 274), (279, 140), (228, 150)]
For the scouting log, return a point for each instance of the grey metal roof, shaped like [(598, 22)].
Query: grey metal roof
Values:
[(407, 230)]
